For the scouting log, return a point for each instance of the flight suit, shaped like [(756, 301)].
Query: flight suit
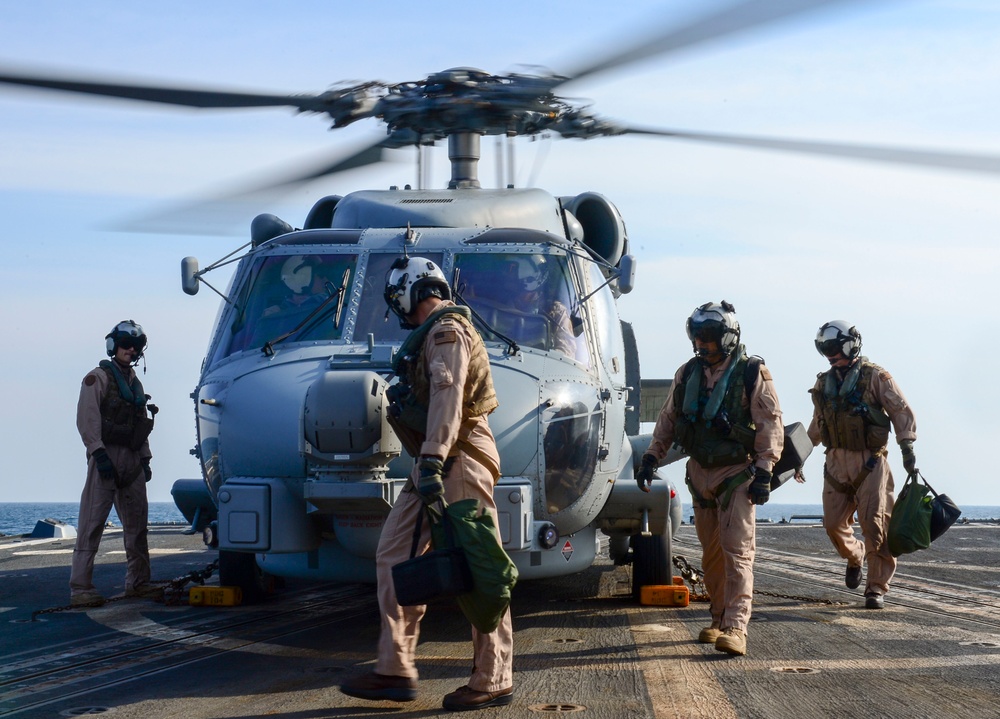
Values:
[(447, 350), (873, 500), (727, 533), (99, 495)]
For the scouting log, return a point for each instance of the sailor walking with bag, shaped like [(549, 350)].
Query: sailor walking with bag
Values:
[(854, 403), (446, 390)]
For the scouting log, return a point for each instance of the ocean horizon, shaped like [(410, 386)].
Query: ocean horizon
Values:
[(17, 518)]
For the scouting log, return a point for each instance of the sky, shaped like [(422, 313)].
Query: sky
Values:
[(908, 255)]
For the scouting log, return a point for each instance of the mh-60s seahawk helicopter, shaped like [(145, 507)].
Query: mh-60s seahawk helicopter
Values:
[(300, 466)]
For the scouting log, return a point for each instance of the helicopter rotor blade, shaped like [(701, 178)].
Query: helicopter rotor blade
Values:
[(229, 212), (965, 162), (369, 155), (187, 97), (746, 15)]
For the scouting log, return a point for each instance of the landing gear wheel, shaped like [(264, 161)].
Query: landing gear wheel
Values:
[(239, 569), (650, 562), (210, 535)]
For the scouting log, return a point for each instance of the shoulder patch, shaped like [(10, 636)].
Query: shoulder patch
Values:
[(884, 375), (443, 337), (89, 380), (765, 372)]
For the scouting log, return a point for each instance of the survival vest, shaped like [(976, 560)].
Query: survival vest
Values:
[(123, 410), (715, 428), (410, 398), (848, 415)]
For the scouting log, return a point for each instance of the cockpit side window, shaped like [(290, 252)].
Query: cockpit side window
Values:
[(530, 298), (283, 292), (605, 314)]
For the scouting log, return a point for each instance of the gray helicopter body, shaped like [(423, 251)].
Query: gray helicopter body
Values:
[(291, 409)]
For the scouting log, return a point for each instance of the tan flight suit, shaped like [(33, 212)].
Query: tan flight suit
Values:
[(99, 495), (447, 349), (727, 535), (874, 499), (563, 339)]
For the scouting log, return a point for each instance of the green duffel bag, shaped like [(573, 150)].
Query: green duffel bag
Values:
[(910, 522), (493, 573)]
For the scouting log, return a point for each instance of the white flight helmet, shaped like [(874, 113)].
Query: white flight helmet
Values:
[(126, 334), (410, 280), (296, 273), (717, 323), (530, 271), (838, 337)]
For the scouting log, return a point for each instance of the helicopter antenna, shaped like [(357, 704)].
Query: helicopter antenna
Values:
[(499, 159), (541, 154), (511, 177)]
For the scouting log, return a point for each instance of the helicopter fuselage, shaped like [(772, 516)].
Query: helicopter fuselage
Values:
[(291, 407)]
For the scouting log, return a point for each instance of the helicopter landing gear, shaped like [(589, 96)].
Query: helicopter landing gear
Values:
[(239, 569), (650, 562)]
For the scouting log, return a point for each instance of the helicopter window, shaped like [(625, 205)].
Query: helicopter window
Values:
[(372, 317), (605, 311), (286, 291), (572, 435), (529, 298)]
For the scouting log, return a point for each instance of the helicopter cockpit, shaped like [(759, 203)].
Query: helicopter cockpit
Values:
[(529, 299)]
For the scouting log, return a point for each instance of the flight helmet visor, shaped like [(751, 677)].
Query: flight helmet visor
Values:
[(838, 338), (715, 322)]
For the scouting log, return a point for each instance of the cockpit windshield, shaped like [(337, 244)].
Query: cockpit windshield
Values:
[(528, 298), (305, 295)]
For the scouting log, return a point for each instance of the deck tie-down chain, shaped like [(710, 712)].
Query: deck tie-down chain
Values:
[(173, 591), (694, 577), (699, 593)]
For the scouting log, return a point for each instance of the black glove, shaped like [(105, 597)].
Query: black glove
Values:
[(760, 487), (146, 469), (105, 468), (909, 458), (644, 477), (430, 485)]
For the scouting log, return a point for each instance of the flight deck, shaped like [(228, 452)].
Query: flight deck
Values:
[(582, 646)]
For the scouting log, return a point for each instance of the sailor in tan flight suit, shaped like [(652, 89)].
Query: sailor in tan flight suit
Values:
[(112, 419), (854, 403), (448, 372), (724, 412)]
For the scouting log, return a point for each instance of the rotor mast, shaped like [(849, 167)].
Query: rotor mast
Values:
[(463, 153)]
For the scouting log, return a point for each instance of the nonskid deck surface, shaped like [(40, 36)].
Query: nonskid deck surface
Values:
[(581, 645)]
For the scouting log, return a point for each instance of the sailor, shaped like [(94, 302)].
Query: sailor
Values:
[(724, 412), (854, 403), (114, 418), (445, 366)]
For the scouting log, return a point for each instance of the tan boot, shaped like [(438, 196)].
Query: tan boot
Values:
[(86, 599), (710, 634), (144, 591), (732, 641)]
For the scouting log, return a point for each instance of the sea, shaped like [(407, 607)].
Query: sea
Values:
[(17, 518)]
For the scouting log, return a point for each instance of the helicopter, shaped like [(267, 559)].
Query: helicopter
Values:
[(297, 461)]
